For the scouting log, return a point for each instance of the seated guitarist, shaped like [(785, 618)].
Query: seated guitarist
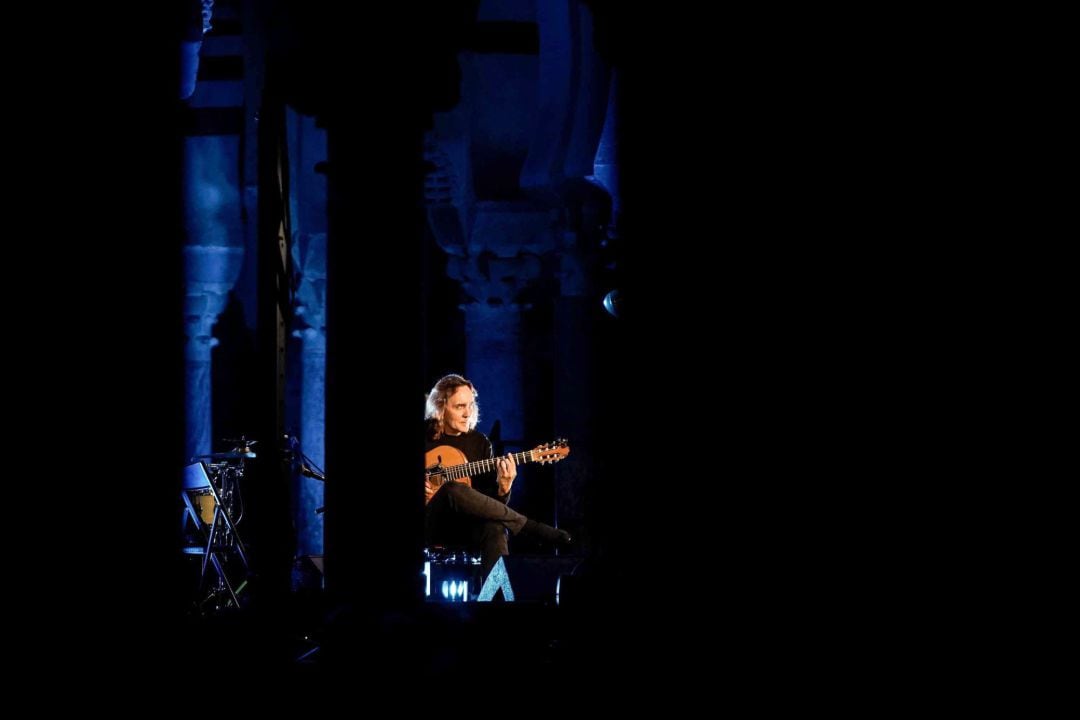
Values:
[(471, 510)]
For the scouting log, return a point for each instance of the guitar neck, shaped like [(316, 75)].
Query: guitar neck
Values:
[(480, 466)]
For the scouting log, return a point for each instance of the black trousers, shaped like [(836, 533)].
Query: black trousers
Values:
[(459, 515)]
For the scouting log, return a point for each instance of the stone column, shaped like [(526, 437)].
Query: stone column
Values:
[(310, 322), (306, 411), (210, 271), (499, 260), (213, 257), (310, 492), (493, 363)]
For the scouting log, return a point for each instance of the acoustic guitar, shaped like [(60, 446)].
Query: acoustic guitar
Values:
[(448, 464)]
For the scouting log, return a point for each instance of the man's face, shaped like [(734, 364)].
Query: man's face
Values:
[(459, 408)]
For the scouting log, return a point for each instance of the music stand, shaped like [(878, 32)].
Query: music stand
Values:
[(218, 534)]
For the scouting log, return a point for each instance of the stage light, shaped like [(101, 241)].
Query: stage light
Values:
[(613, 302)]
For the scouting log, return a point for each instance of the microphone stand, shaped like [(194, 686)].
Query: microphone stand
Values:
[(311, 470), (308, 467)]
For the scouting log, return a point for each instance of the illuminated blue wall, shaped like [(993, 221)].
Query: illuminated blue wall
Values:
[(519, 199), (524, 180), (306, 388)]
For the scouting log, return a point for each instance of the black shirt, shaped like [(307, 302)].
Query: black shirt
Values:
[(475, 445)]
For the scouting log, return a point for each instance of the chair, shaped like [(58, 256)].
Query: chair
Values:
[(218, 541), (451, 574)]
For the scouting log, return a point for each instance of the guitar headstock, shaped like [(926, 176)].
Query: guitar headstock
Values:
[(551, 452)]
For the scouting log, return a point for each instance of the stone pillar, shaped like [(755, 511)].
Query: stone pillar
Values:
[(310, 322), (500, 259), (210, 271), (306, 411), (213, 257), (310, 492), (493, 363)]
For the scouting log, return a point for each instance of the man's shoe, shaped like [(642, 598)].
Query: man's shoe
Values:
[(553, 535)]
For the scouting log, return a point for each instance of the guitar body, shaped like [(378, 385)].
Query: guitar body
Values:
[(446, 463), (443, 456)]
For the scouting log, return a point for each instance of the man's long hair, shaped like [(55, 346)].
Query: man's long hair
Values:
[(438, 397)]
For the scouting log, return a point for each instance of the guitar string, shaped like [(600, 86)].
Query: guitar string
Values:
[(457, 472)]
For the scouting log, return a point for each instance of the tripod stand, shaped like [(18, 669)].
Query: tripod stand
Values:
[(211, 495)]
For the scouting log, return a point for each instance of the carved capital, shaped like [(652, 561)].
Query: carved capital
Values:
[(210, 272)]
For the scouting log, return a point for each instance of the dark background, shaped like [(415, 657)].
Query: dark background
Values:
[(770, 228)]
